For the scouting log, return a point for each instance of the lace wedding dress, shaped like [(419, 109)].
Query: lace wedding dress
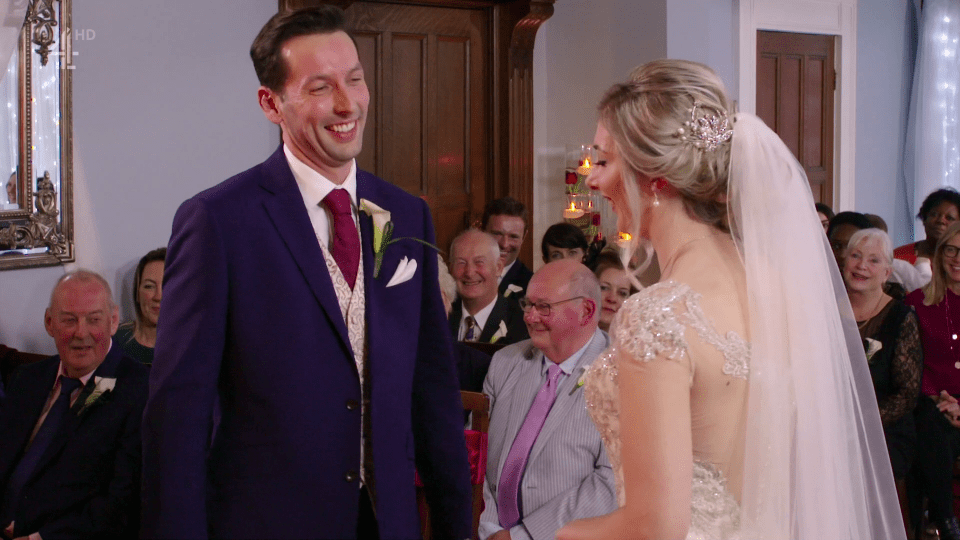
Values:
[(655, 325)]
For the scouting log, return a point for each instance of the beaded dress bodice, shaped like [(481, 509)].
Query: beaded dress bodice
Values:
[(651, 326)]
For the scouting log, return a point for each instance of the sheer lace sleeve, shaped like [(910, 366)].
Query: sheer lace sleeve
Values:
[(651, 324), (906, 370)]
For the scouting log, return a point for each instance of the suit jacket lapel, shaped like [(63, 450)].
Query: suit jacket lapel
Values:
[(21, 425), (568, 396), (286, 211), (73, 418), (456, 313), (497, 314)]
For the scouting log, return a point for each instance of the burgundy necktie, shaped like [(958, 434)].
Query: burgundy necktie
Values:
[(346, 240), (508, 490)]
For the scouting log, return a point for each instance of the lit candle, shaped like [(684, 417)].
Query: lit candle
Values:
[(573, 212)]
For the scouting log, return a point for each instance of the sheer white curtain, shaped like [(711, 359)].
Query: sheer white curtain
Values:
[(932, 154), (12, 13)]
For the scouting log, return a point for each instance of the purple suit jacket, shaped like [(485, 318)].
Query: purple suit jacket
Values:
[(250, 318)]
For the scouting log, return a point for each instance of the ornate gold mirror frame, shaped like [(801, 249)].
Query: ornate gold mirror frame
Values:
[(36, 165)]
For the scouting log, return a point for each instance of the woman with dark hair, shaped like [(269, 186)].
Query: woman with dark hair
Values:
[(138, 337), (937, 413), (563, 241), (825, 213), (938, 211)]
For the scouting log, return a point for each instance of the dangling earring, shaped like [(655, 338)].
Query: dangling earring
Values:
[(658, 184)]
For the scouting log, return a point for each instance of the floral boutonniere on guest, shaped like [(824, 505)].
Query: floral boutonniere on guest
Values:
[(871, 347), (501, 332), (382, 233), (512, 289), (101, 387)]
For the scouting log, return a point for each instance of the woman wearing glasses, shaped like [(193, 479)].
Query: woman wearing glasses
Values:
[(749, 304), (937, 413)]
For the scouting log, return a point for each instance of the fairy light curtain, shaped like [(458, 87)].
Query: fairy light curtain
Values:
[(932, 153)]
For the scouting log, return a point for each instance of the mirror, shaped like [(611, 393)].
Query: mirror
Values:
[(36, 153)]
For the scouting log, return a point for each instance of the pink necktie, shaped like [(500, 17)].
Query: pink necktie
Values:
[(508, 492), (346, 240)]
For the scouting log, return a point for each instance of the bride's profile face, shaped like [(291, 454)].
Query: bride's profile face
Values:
[(607, 176)]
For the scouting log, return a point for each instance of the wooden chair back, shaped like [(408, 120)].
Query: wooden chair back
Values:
[(478, 405)]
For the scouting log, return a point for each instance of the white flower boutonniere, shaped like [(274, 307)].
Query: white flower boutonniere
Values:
[(583, 377), (871, 347), (501, 332), (101, 386), (382, 232), (512, 289)]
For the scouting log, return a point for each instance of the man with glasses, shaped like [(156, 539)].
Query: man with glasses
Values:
[(546, 464)]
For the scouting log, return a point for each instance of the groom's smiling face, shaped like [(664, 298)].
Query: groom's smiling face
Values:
[(322, 106)]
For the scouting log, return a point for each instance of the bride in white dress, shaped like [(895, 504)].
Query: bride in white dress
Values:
[(735, 399)]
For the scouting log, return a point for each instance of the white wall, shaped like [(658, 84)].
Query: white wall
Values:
[(886, 46), (161, 110), (580, 51), (703, 30)]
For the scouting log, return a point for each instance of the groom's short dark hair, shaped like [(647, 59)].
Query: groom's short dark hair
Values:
[(265, 52)]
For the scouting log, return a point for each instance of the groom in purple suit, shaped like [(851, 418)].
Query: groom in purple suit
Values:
[(319, 333)]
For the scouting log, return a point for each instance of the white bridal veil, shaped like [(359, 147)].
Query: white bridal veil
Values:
[(815, 462)]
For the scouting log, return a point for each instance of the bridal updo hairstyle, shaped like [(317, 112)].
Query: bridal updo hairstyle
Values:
[(645, 115)]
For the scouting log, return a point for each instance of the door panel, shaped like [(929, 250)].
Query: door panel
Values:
[(795, 95)]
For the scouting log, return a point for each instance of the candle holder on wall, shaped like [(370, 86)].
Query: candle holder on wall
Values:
[(582, 208)]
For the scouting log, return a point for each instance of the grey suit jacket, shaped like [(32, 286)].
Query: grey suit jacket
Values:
[(567, 475)]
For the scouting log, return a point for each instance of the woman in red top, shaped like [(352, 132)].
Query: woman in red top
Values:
[(938, 211), (938, 413)]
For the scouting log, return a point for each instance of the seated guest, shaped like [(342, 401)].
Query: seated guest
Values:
[(903, 273), (472, 364), (481, 314), (546, 463), (138, 337), (506, 220), (563, 241), (937, 414), (890, 331), (825, 213), (70, 450), (841, 228), (938, 211), (615, 286)]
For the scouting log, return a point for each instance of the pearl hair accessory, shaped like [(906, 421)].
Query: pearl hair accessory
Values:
[(705, 131)]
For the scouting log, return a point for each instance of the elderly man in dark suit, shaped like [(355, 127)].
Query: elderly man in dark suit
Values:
[(70, 444), (481, 314), (298, 297)]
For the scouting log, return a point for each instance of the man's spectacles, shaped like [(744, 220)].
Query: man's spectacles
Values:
[(543, 308), (950, 251)]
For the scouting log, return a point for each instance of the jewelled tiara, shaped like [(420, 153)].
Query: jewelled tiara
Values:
[(705, 130)]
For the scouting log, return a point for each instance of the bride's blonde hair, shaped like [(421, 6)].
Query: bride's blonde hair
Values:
[(645, 116)]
